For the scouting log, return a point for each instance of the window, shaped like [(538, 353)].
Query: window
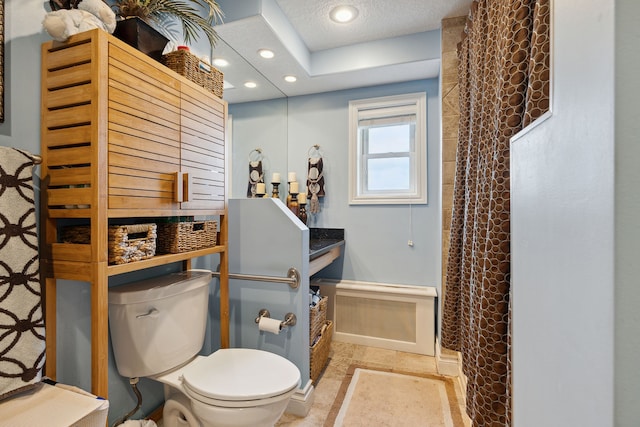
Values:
[(388, 150)]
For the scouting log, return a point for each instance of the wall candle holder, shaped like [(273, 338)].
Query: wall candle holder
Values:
[(288, 201), (302, 213), (261, 190), (275, 193), (294, 203)]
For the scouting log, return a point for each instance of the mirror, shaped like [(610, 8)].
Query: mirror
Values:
[(259, 125), (240, 71)]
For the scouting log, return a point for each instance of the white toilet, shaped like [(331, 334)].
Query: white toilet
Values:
[(157, 329)]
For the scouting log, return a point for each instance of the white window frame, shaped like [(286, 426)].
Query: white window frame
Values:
[(381, 108)]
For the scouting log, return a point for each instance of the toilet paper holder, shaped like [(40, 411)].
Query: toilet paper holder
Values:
[(290, 319)]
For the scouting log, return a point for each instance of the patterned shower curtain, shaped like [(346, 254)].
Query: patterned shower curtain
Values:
[(504, 85)]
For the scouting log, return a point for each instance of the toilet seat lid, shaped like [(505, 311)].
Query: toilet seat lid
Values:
[(238, 374)]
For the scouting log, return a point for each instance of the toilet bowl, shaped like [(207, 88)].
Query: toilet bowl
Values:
[(157, 329), (231, 387)]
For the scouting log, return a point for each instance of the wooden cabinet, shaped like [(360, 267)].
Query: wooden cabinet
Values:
[(122, 137)]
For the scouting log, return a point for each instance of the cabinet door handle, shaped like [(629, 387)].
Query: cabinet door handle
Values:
[(151, 313), (188, 187), (178, 186)]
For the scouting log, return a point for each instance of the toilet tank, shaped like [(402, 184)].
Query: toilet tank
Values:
[(158, 324)]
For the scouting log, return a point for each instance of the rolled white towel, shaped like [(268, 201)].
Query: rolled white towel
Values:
[(139, 423)]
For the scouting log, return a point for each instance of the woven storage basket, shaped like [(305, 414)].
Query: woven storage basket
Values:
[(319, 352), (76, 234), (190, 66), (317, 317), (127, 243), (178, 237)]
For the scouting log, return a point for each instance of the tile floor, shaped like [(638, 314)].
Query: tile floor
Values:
[(342, 355)]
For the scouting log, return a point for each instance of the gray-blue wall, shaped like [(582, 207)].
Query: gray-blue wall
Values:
[(376, 247), (575, 229)]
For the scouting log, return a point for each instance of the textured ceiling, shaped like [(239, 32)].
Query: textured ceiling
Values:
[(390, 41), (377, 19)]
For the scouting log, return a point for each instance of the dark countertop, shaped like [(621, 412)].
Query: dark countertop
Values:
[(322, 240)]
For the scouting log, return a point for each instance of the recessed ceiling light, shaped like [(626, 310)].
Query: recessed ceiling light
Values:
[(266, 53), (250, 85), (290, 79), (220, 62), (343, 14)]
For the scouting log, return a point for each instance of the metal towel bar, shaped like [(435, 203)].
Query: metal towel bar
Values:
[(292, 279)]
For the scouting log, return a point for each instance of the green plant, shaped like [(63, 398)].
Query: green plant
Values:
[(158, 12)]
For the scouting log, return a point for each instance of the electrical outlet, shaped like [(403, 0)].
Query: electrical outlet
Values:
[(410, 243)]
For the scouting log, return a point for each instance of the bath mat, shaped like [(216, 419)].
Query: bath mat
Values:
[(383, 397)]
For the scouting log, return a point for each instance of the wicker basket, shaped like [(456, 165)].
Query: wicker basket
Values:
[(319, 352), (178, 237), (190, 66), (317, 317), (127, 243)]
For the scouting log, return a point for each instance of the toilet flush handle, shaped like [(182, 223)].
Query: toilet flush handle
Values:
[(151, 313)]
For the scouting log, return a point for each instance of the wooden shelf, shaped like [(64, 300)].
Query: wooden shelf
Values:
[(157, 260), (122, 136)]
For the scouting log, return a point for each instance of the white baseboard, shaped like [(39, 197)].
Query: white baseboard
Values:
[(301, 401), (448, 365), (462, 378), (451, 365)]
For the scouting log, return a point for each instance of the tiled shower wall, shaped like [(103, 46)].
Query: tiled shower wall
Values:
[(452, 29)]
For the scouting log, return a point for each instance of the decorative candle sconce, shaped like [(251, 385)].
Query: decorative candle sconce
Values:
[(291, 177), (302, 207), (293, 190), (256, 173), (275, 181)]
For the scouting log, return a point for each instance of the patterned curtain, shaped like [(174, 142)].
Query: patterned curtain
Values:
[(22, 342), (504, 85)]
